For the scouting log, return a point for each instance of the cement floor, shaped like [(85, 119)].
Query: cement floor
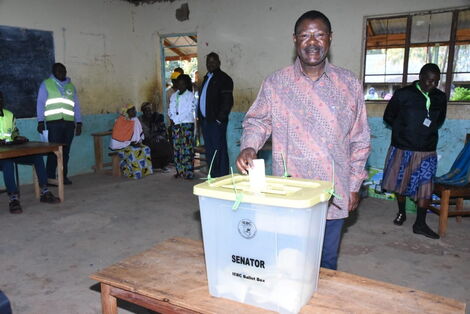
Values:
[(47, 253)]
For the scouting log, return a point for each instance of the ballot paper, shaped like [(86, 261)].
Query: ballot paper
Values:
[(44, 136), (257, 176)]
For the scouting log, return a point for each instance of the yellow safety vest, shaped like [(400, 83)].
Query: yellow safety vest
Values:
[(59, 106), (7, 125)]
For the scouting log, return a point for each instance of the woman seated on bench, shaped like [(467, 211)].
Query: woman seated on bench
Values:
[(127, 140), (155, 137)]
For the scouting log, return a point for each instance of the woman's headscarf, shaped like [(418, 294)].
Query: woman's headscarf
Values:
[(125, 109)]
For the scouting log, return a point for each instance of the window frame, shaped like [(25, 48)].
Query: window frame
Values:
[(407, 46)]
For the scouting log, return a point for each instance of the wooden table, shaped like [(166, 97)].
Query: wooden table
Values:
[(171, 278), (98, 146), (34, 148)]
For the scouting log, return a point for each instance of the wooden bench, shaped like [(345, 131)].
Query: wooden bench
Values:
[(116, 164), (98, 146), (450, 196), (171, 278), (99, 164)]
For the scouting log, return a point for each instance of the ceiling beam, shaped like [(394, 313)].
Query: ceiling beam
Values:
[(370, 30), (168, 45), (179, 58), (385, 41)]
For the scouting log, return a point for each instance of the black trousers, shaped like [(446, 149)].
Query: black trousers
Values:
[(215, 138), (60, 131)]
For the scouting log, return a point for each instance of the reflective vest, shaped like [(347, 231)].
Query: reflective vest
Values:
[(59, 106), (6, 125)]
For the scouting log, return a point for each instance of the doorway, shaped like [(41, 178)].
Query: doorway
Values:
[(177, 50)]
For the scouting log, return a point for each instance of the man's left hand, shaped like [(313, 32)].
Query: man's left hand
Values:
[(78, 129), (354, 200), (21, 139)]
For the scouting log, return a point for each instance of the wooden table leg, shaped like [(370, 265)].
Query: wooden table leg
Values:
[(444, 212), (60, 172), (37, 193), (108, 302), (98, 153)]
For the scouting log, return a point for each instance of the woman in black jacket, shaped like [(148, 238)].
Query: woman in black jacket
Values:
[(415, 113)]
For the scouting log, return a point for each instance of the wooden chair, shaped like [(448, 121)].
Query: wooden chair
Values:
[(450, 196)]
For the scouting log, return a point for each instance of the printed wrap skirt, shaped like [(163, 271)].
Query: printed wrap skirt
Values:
[(135, 161), (409, 173)]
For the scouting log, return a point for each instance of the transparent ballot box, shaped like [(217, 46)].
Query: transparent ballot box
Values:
[(263, 247)]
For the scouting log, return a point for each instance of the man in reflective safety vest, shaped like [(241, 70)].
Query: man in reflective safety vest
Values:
[(9, 135), (58, 106)]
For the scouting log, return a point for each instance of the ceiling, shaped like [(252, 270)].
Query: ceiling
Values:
[(139, 2), (432, 28), (180, 47)]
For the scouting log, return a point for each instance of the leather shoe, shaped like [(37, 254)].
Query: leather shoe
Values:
[(400, 219), (425, 231), (48, 197), (15, 207)]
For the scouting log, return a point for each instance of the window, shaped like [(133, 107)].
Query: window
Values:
[(397, 47)]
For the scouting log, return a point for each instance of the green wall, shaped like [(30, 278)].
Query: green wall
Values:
[(82, 157), (451, 141)]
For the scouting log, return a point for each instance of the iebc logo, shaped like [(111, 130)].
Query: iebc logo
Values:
[(246, 229)]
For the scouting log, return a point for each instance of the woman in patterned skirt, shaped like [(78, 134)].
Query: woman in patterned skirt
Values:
[(182, 113), (127, 141), (415, 113)]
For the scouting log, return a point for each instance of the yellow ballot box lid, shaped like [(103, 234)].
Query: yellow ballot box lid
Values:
[(278, 191)]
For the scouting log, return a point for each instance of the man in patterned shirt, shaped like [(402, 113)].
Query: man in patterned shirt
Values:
[(315, 113)]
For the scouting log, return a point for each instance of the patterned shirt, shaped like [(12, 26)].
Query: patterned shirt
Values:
[(313, 123)]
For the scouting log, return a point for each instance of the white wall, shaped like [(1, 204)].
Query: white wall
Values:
[(112, 53), (91, 37), (254, 38)]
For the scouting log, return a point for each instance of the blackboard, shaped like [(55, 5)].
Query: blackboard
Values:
[(26, 59)]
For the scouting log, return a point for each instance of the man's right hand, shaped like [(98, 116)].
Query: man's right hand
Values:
[(245, 160), (41, 127)]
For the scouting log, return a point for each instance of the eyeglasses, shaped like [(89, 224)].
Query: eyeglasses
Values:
[(317, 35)]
